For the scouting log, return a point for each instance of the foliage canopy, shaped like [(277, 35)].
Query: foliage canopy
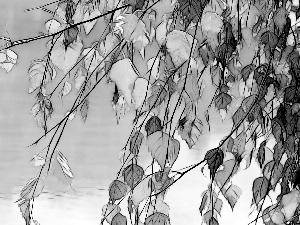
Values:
[(244, 52)]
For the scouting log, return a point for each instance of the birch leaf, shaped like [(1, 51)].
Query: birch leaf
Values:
[(32, 189), (65, 90), (179, 45), (134, 30), (260, 189), (36, 71), (117, 190), (109, 211), (141, 191), (124, 76), (222, 100), (84, 109), (61, 169), (157, 205), (79, 79), (133, 174), (121, 108), (52, 26), (232, 194), (11, 56), (25, 209), (38, 160), (153, 67), (141, 92), (92, 59), (88, 26), (119, 219), (65, 58), (7, 66), (157, 219), (164, 149), (190, 131)]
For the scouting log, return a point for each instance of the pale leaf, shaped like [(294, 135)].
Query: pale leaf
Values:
[(71, 115), (7, 66), (179, 45), (39, 72), (232, 194), (38, 160), (2, 56), (63, 58), (11, 56), (79, 79), (153, 67), (124, 76), (141, 91), (65, 90), (25, 209), (158, 206), (92, 59), (141, 191), (164, 149), (88, 26), (61, 169), (52, 26), (290, 202), (33, 188)]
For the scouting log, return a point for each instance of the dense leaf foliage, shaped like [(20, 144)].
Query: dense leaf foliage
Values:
[(243, 56)]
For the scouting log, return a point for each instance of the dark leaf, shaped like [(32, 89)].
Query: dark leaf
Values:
[(70, 35), (153, 125), (135, 142), (135, 4), (172, 86), (130, 205), (214, 158), (238, 116), (116, 95), (224, 88), (157, 218), (269, 39), (247, 70), (222, 100), (191, 131), (261, 153), (119, 219), (289, 169), (213, 221), (70, 11), (278, 151), (117, 190), (296, 181), (206, 114), (210, 217), (192, 10), (260, 189), (203, 202), (189, 88), (278, 130), (158, 95), (273, 171), (133, 174), (290, 94)]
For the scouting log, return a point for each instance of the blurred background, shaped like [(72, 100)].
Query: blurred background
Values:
[(92, 149)]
